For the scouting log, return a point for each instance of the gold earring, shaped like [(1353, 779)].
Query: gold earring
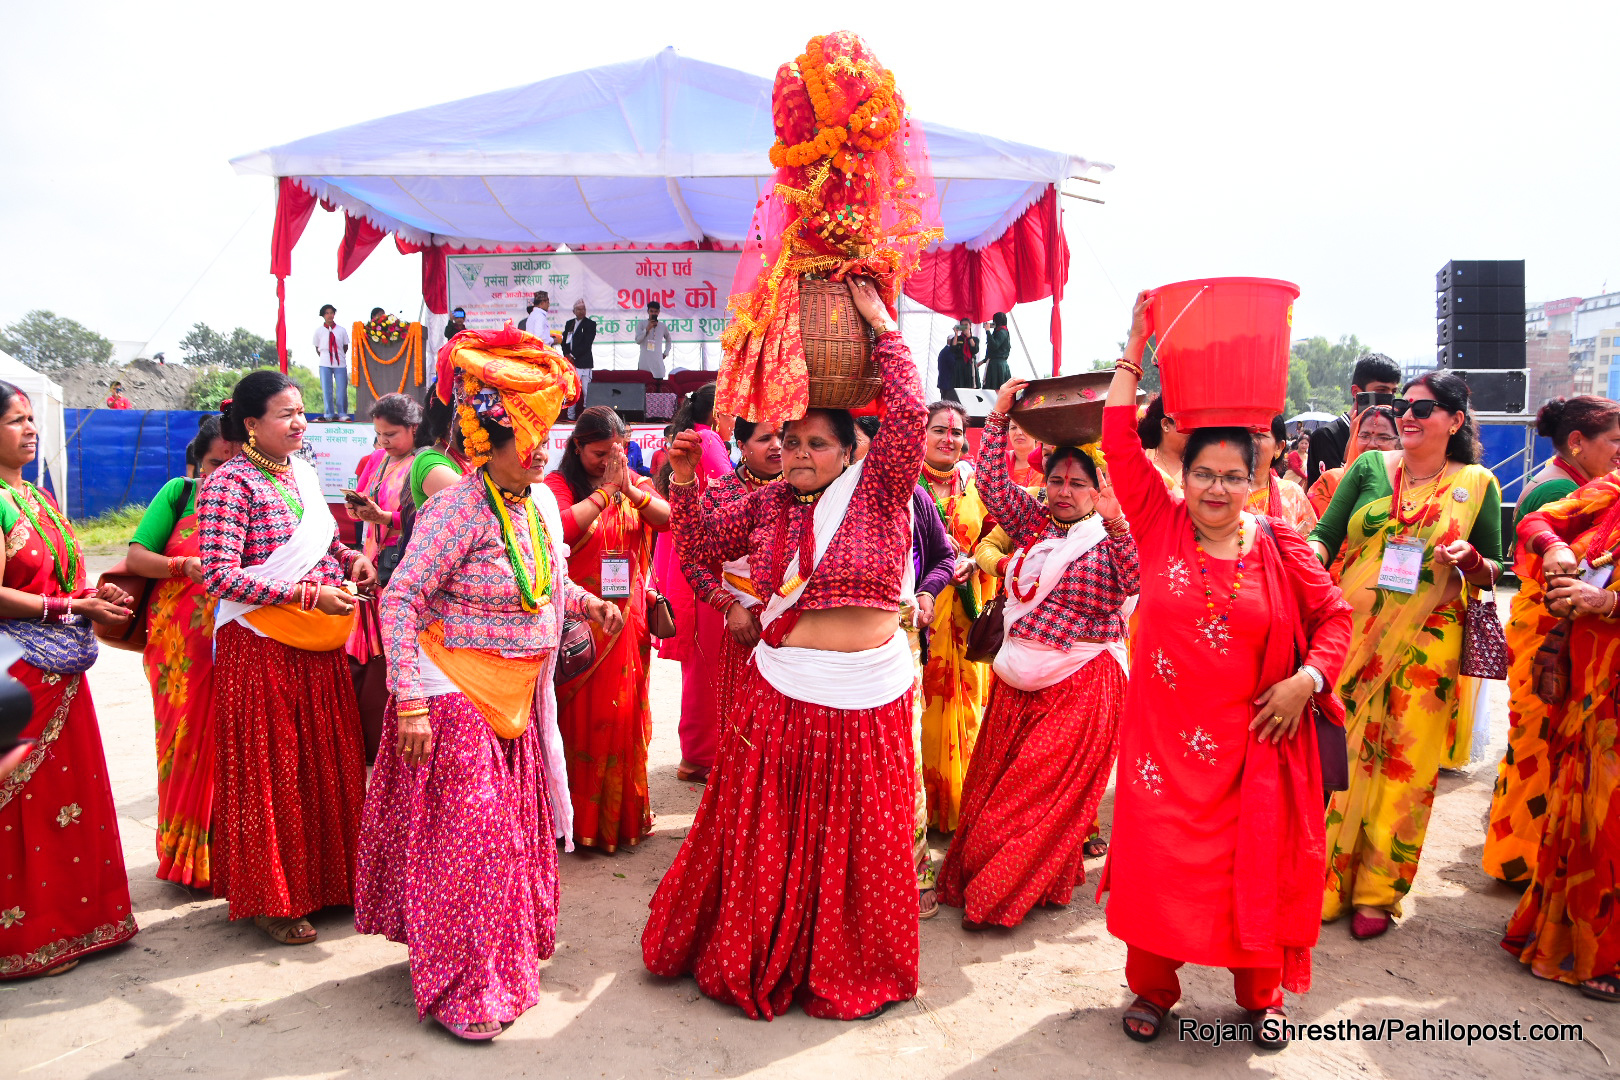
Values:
[(253, 440)]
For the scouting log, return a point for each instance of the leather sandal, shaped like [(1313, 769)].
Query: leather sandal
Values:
[(461, 1031), (287, 931), (691, 774), (1095, 846), (1601, 988), (927, 903), (1144, 1011), (1258, 1018), (60, 969)]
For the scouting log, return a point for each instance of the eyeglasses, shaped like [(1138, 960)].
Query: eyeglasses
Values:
[(1228, 481), (1381, 440), (1423, 408)]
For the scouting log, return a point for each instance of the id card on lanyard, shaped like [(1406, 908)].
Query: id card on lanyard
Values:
[(1403, 564), (615, 577)]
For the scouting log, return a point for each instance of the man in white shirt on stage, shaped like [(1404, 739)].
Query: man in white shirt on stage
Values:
[(539, 323), (332, 346), (654, 339)]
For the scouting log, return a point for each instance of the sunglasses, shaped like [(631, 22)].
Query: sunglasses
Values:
[(1422, 408)]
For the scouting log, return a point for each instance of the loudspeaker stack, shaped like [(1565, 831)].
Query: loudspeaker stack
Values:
[(1480, 334)]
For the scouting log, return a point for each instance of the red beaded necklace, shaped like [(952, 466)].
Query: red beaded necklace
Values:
[(1215, 631)]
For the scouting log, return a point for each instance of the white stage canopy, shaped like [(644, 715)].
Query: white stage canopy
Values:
[(664, 150)]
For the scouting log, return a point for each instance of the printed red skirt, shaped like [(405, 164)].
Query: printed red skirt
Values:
[(1038, 772), (291, 776), (796, 881)]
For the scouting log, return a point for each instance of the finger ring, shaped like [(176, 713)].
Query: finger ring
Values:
[(1277, 717)]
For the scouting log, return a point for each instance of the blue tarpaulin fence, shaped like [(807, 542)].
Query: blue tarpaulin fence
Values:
[(118, 457), (122, 456)]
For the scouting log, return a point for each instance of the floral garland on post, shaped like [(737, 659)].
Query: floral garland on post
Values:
[(362, 356)]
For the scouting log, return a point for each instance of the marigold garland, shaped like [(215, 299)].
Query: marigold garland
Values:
[(363, 356), (474, 439)]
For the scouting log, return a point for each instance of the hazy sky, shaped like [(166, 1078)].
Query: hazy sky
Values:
[(1351, 148)]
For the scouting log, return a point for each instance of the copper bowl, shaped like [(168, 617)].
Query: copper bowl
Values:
[(1066, 411)]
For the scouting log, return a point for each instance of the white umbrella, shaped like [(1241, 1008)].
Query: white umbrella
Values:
[(1312, 418)]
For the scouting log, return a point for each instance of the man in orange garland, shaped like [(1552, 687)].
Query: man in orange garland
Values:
[(332, 346)]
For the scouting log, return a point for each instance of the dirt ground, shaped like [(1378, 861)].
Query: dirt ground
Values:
[(195, 994)]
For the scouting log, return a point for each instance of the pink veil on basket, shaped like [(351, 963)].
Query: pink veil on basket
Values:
[(853, 194)]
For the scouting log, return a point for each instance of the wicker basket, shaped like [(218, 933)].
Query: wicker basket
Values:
[(837, 346)]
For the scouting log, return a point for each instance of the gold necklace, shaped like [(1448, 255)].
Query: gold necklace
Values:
[(751, 477), (938, 476), (255, 455)]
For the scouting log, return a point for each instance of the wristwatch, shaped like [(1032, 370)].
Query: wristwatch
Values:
[(1317, 682)]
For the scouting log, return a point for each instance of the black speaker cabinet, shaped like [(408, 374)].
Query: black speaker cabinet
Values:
[(1508, 327), (1476, 272), (1479, 300), (1487, 355), (630, 399), (1497, 391)]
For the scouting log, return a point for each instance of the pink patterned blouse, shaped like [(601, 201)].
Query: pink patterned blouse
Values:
[(456, 571), (244, 519), (865, 563)]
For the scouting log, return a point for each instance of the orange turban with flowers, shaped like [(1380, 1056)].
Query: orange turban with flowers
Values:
[(513, 377)]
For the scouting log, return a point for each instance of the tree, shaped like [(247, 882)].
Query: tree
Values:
[(1325, 372), (207, 347), (215, 385), (49, 342)]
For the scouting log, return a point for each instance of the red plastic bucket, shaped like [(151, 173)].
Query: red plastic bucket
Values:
[(1223, 350)]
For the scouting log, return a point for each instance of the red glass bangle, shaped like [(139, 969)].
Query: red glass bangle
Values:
[(177, 566), (1542, 541)]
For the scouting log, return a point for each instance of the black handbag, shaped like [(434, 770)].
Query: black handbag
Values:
[(984, 636), (1332, 747), (576, 651)]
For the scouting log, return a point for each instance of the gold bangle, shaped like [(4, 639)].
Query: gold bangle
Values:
[(412, 714), (680, 483)]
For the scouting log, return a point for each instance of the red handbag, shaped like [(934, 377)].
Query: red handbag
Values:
[(1484, 647)]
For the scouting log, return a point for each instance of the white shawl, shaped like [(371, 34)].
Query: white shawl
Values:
[(837, 680), (293, 560), (545, 691), (1032, 665)]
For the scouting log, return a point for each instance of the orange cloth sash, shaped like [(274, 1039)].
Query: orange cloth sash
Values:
[(501, 686), (312, 631)]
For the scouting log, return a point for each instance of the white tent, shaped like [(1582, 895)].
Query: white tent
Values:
[(656, 152), (47, 400), (662, 150)]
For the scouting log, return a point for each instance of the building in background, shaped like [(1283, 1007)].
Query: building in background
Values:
[(1583, 333), (1546, 354)]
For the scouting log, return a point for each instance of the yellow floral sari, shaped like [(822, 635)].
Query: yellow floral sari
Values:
[(954, 689), (1401, 692)]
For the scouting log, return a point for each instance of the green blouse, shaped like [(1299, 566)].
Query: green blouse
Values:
[(1366, 480), (173, 501), (427, 459)]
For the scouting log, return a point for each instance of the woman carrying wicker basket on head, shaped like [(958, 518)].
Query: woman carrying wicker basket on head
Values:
[(796, 882)]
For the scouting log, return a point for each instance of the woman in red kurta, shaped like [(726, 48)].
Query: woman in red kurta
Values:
[(1218, 845), (609, 517), (63, 892)]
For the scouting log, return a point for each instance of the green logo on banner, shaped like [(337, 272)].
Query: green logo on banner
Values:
[(469, 273)]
